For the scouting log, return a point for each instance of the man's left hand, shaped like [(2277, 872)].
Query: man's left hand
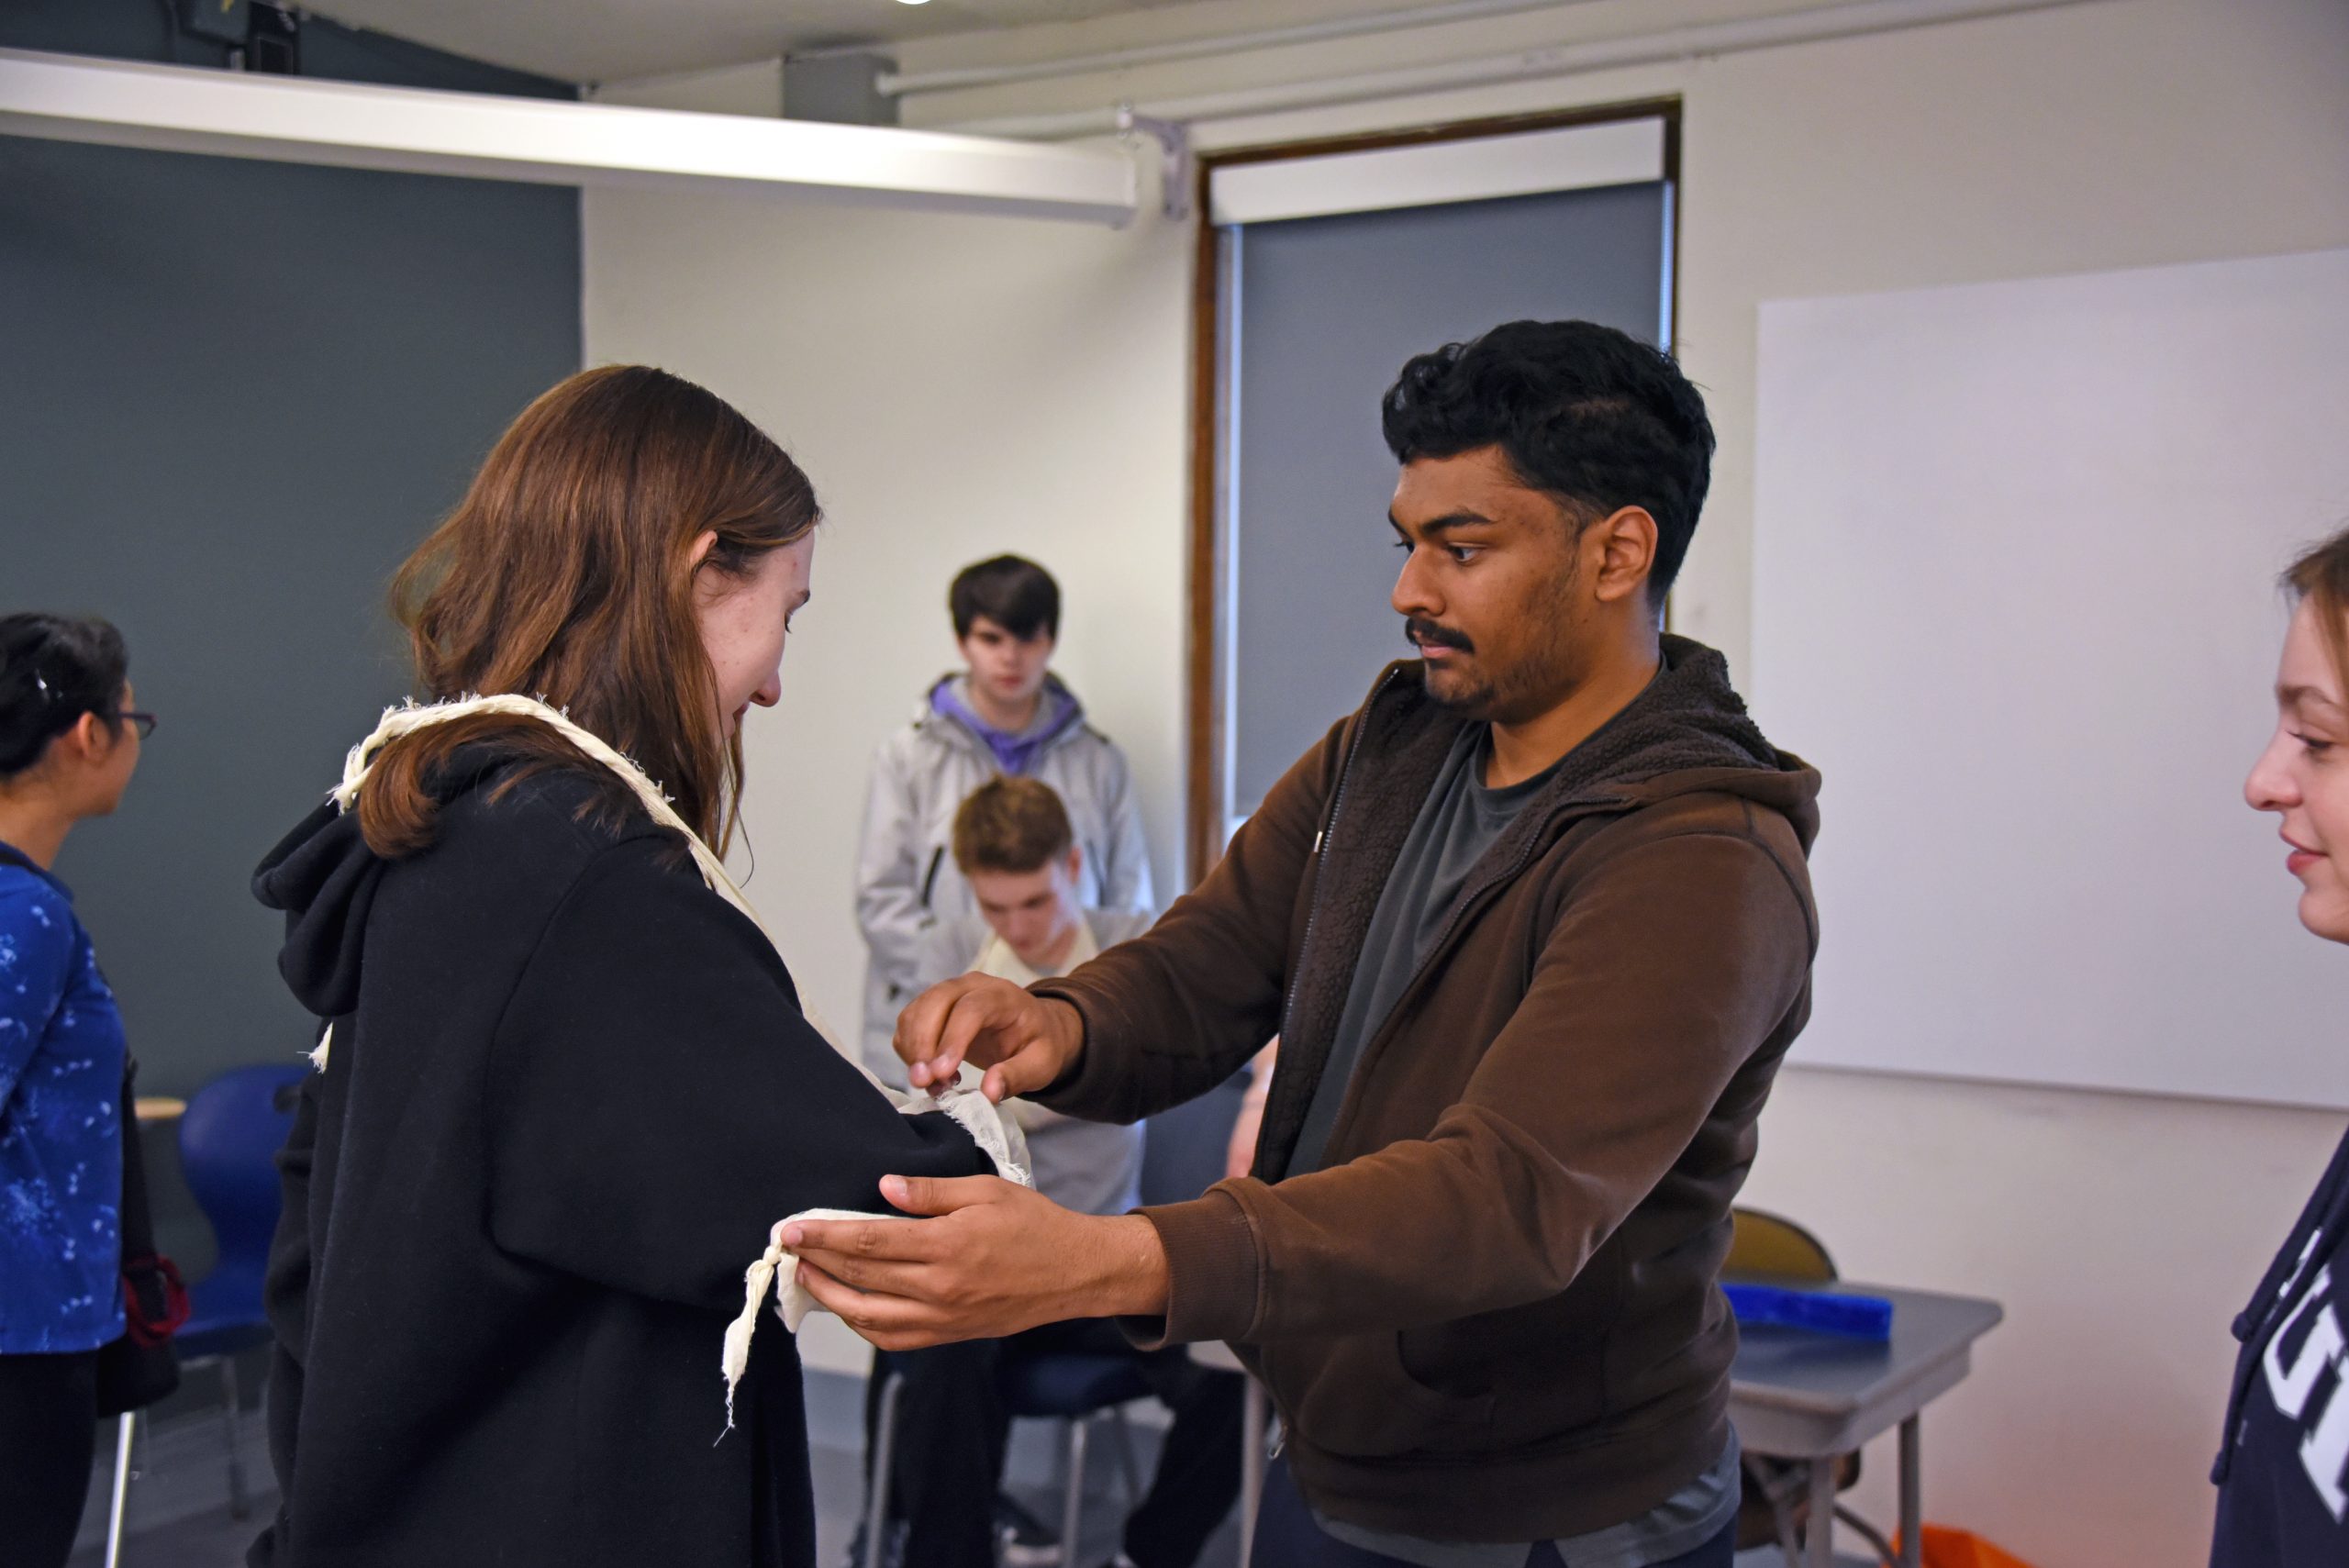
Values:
[(995, 1259)]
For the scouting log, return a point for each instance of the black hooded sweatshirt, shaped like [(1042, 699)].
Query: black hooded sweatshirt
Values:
[(2283, 1470), (570, 1091)]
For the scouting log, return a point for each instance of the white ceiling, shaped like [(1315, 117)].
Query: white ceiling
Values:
[(612, 40)]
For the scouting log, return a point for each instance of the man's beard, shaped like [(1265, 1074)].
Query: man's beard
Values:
[(1470, 696), (1473, 690), (1464, 695)]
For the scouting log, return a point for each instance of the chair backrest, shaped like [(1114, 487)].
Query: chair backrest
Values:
[(1183, 1148), (228, 1141), (1775, 1248)]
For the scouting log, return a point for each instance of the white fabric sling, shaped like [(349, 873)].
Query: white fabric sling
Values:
[(995, 1134)]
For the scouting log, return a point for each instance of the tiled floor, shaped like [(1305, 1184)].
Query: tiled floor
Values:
[(213, 1540)]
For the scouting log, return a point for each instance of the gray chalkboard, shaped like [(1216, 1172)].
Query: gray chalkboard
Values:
[(233, 396)]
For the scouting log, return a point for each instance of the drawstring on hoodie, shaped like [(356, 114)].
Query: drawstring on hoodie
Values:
[(995, 1134)]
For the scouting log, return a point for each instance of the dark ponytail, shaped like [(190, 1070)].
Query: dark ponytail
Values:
[(54, 669)]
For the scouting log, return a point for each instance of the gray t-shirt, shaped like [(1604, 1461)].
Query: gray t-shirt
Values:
[(1458, 823), (1460, 820)]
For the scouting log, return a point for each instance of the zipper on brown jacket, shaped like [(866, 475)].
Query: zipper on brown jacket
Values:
[(1281, 1098)]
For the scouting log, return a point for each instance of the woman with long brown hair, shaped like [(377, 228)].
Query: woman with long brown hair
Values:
[(567, 1085)]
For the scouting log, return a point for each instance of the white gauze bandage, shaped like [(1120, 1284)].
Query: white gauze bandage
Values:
[(997, 1136)]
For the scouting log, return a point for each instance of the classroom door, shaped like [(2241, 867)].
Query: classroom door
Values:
[(1317, 314)]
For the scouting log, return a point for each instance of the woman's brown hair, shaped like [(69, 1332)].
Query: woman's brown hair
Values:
[(2320, 579), (567, 573)]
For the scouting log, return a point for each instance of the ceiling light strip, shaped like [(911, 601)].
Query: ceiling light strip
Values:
[(292, 119)]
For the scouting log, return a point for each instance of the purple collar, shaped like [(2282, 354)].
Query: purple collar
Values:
[(1058, 712)]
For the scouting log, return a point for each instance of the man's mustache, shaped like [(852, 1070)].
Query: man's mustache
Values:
[(1427, 634)]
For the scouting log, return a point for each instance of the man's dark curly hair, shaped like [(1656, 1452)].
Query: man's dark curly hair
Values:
[(1584, 412)]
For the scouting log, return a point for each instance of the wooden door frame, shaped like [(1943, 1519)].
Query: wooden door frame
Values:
[(1206, 807)]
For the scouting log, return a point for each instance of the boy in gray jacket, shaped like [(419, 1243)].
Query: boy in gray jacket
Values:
[(1004, 715)]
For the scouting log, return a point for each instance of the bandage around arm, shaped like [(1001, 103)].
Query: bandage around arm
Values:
[(997, 1136)]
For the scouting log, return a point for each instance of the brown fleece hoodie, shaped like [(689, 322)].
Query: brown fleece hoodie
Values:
[(1493, 1316)]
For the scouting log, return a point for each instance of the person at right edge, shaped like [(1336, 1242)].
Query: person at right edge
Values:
[(2283, 1468), (1536, 928)]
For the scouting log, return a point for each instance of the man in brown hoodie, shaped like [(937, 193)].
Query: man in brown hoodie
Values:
[(1535, 927)]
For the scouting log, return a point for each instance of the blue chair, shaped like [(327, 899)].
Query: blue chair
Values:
[(1075, 1389), (1183, 1153), (229, 1136), (229, 1142)]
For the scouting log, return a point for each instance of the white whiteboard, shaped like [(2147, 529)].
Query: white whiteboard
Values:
[(2015, 553)]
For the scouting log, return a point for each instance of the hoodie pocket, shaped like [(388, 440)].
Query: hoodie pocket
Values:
[(1541, 1368), (1354, 1397)]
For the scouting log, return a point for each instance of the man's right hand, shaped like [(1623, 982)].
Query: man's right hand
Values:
[(1024, 1043)]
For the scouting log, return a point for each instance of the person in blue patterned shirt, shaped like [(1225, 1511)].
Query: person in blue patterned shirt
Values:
[(69, 741)]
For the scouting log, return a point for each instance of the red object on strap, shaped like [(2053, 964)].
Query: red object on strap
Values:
[(147, 1322)]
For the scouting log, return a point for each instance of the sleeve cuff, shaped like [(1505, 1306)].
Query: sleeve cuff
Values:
[(1083, 1089), (1213, 1273)]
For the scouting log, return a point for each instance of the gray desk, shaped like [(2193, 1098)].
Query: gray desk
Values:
[(1793, 1394), (1800, 1396)]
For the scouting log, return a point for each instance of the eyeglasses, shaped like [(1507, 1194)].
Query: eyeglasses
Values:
[(143, 722)]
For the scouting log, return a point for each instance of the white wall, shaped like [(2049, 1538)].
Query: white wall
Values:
[(960, 386), (956, 387)]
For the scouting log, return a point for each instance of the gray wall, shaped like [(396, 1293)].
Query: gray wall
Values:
[(1329, 309), (233, 396)]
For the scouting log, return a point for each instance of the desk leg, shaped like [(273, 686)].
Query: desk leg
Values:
[(1252, 1467), (1912, 1494), (1819, 1532)]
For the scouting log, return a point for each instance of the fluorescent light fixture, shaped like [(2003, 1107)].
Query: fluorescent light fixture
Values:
[(548, 141), (1566, 158)]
